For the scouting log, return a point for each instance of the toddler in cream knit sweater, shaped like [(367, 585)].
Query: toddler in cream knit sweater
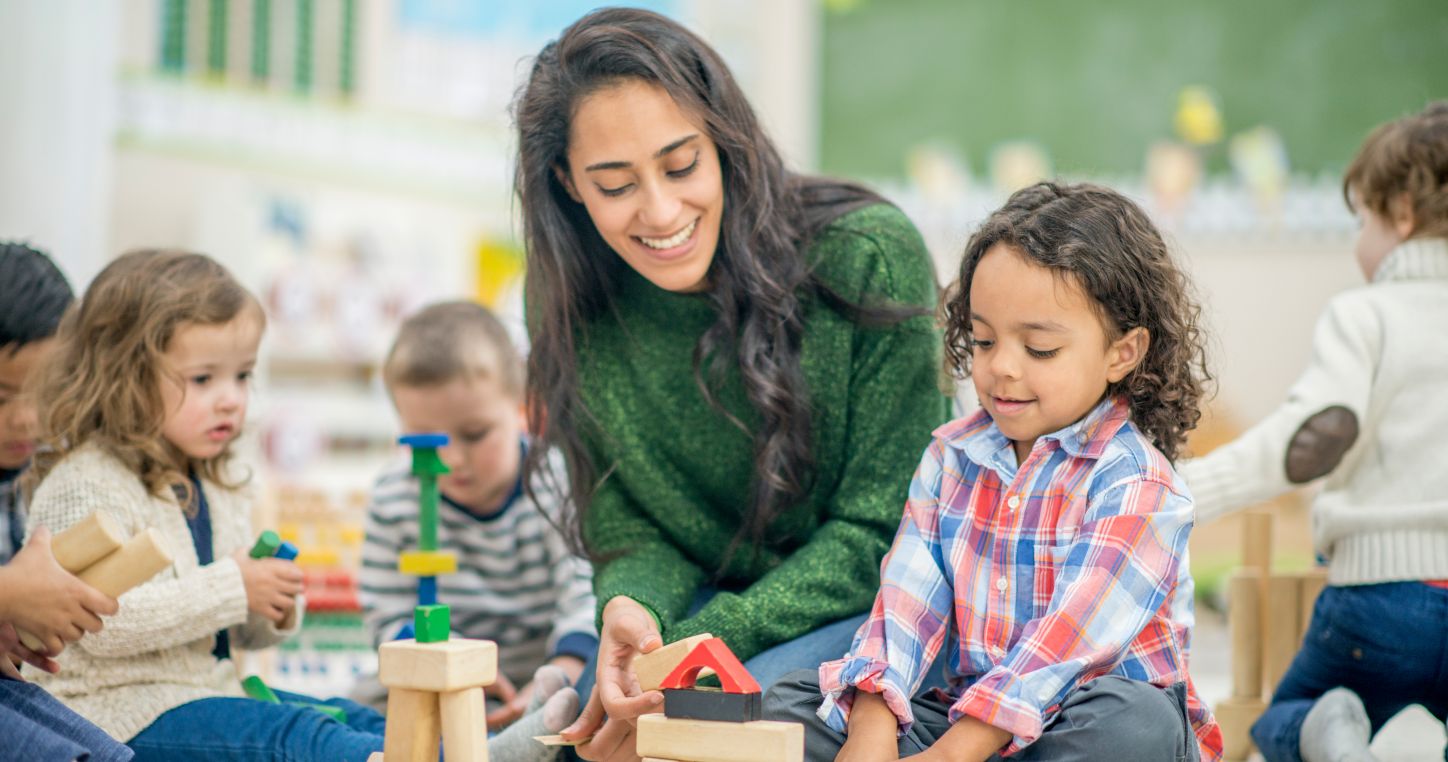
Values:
[(142, 398)]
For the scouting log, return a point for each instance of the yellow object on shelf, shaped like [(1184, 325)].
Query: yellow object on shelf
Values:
[(427, 563), (322, 556)]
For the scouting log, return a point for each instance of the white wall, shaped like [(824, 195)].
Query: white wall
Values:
[(57, 77)]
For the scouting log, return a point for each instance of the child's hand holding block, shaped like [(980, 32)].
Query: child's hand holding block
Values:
[(96, 551)]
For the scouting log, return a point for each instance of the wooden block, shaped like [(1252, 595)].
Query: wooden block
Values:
[(1312, 582), (712, 654), (1257, 540), (431, 624), (86, 542), (1244, 620), (138, 560), (704, 741), (464, 726), (557, 740), (1235, 716), (413, 726), (266, 545), (1279, 628), (256, 688), (427, 563), (448, 666), (719, 706), (651, 668), (81, 545)]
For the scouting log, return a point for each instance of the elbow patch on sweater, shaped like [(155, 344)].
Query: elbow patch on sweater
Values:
[(1320, 443)]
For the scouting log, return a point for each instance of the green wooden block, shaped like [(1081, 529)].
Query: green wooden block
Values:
[(255, 688), (431, 623), (266, 545)]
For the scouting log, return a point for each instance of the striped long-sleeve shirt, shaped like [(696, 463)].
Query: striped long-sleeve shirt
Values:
[(517, 583), (1065, 568)]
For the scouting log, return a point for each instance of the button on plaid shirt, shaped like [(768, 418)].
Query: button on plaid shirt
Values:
[(1041, 577)]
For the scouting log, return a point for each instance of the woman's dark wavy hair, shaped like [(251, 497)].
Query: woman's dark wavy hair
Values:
[(756, 280), (1108, 247)]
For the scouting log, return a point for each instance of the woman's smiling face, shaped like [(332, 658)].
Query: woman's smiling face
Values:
[(650, 179)]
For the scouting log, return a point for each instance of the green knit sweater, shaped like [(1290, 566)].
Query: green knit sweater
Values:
[(681, 472)]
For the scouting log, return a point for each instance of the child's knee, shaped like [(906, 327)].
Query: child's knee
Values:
[(1119, 713), (794, 696)]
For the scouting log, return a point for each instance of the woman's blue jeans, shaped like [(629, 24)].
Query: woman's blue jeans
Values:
[(1388, 643)]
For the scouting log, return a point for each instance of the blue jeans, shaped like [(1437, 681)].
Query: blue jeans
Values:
[(1388, 643), (246, 730), (37, 723)]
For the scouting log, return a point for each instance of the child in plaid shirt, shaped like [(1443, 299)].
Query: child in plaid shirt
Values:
[(1044, 539)]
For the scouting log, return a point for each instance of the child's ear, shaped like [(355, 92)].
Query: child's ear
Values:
[(1126, 353), (561, 172), (1400, 215)]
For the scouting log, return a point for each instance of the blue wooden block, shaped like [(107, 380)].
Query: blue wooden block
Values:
[(286, 551), (426, 591), (423, 440)]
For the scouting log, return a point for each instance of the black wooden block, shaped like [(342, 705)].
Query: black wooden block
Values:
[(716, 705)]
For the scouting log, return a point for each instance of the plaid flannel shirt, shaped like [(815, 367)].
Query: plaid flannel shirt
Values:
[(1049, 574)]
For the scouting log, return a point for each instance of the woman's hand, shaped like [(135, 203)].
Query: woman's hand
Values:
[(38, 597), (613, 742), (272, 585), (628, 630)]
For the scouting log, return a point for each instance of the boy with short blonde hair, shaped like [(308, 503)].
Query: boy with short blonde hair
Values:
[(454, 370)]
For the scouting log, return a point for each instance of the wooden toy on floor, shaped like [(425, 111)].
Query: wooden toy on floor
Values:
[(1267, 615), (435, 689), (700, 725), (97, 551)]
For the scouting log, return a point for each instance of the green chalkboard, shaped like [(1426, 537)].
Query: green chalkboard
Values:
[(1097, 82)]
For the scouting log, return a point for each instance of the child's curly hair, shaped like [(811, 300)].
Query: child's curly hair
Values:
[(1106, 244)]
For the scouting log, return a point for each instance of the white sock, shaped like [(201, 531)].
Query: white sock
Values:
[(515, 743), (1336, 729)]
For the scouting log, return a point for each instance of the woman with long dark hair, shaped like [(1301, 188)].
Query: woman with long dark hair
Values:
[(739, 363)]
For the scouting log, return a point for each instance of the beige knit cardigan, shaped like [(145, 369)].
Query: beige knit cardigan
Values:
[(155, 654)]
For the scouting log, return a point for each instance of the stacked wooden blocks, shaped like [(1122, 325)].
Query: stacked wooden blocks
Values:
[(426, 563), (1268, 613), (702, 725), (435, 690)]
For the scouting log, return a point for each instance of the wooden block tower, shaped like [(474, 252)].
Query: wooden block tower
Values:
[(435, 689), (702, 725), (96, 550), (1268, 613), (427, 562)]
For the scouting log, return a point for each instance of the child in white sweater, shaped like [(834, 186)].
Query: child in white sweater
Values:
[(1366, 418), (142, 398)]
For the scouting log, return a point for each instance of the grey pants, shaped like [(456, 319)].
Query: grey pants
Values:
[(1110, 718)]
